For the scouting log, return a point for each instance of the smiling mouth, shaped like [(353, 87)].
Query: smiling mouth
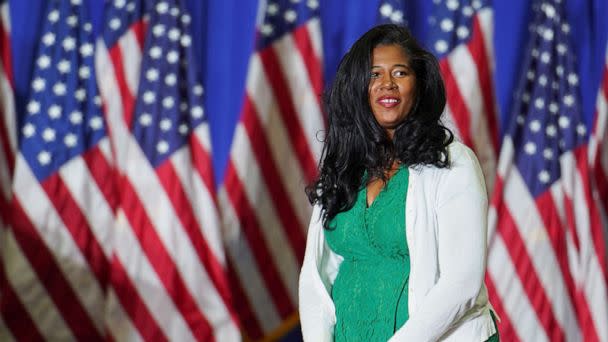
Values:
[(388, 102)]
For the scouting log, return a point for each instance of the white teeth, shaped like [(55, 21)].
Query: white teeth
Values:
[(389, 101)]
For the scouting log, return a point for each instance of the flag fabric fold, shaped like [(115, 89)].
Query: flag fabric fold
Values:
[(546, 262), (274, 153)]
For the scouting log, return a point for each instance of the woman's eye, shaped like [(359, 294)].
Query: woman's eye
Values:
[(400, 73), (374, 75)]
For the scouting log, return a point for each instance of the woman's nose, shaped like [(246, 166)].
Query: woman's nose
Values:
[(387, 83)]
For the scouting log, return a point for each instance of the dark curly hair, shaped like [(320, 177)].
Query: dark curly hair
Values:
[(355, 142)]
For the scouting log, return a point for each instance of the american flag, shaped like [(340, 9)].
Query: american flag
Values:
[(57, 248), (274, 153), (168, 279), (546, 262), (460, 35), (393, 12), (598, 142), (8, 139)]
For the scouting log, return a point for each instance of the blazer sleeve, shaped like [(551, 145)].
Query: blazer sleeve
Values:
[(461, 210), (320, 266)]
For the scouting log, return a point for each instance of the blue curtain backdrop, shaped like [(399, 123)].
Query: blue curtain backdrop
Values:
[(224, 33)]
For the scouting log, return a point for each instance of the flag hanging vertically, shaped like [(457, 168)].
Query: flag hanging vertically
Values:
[(168, 279), (460, 35), (598, 142), (56, 249), (274, 154), (8, 138), (546, 261)]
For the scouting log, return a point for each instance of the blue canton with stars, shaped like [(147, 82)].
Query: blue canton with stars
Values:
[(282, 17), (63, 116), (170, 97), (451, 23), (120, 15), (547, 120), (393, 12)]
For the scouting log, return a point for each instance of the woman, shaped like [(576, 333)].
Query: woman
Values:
[(396, 246)]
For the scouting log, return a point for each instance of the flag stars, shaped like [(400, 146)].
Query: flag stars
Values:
[(115, 24), (549, 10), (152, 75), (535, 126), (312, 4), (553, 108), (467, 11), (183, 107), (476, 4), (563, 122), (186, 40), (149, 97), (397, 17), (53, 16), (119, 3), (183, 129), (559, 70), (28, 130), (168, 102), (48, 38), (581, 129), (174, 34), (70, 140), (64, 66), (186, 19), (548, 153), (145, 119), (447, 25), (539, 103), (569, 100), (530, 148), (55, 112), (197, 112), (48, 134), (544, 176), (69, 43), (33, 107), (267, 29), (172, 57), (565, 28), (520, 120), (441, 46), (572, 79), (96, 123), (80, 94), (44, 62), (174, 12), (72, 20), (162, 7), (462, 32), (290, 16), (38, 84), (59, 89), (272, 9), (86, 50), (165, 124), (551, 130), (131, 7), (198, 90), (548, 35), (545, 57), (156, 52), (76, 2), (170, 80), (44, 158), (452, 5), (87, 27), (542, 80), (162, 147), (84, 72), (158, 30), (97, 100), (561, 49), (76, 117)]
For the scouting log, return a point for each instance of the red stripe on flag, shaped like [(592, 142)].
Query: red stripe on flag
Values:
[(282, 202), (133, 304), (460, 112), (51, 276), (251, 228), (478, 51), (104, 174), (163, 264), (516, 248), (5, 55), (139, 29), (78, 226), (505, 328), (286, 108), (595, 221), (184, 211), (127, 99), (303, 42), (201, 160), (247, 316), (14, 314)]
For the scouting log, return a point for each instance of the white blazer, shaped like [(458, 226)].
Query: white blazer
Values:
[(446, 229)]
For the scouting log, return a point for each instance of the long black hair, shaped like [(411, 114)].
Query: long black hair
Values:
[(355, 142)]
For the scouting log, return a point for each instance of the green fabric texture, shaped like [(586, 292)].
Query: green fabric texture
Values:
[(370, 290)]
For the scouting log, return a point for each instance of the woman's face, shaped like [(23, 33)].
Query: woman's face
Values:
[(391, 87)]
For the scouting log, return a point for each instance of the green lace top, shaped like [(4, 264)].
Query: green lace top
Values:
[(370, 290)]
